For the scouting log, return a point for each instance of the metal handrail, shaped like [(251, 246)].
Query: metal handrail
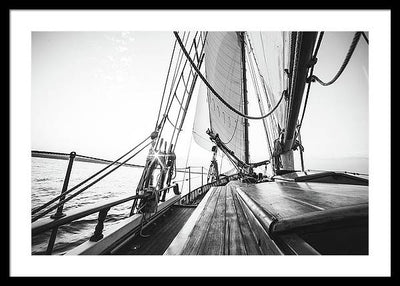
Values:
[(42, 214), (46, 224), (49, 223), (91, 177), (53, 223)]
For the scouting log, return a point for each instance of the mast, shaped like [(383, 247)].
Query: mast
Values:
[(301, 56), (245, 102)]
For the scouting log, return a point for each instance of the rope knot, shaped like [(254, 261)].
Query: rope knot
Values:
[(312, 62), (311, 78), (296, 145), (154, 135), (285, 94)]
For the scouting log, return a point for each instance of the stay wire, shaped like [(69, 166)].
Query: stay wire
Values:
[(264, 88), (170, 100), (176, 71), (174, 86), (86, 187), (194, 81), (365, 37), (86, 180), (261, 106), (165, 84), (314, 58)]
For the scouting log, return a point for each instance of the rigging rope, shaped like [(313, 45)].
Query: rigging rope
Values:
[(173, 89), (365, 37), (353, 45), (233, 134), (165, 85), (172, 123), (312, 77), (273, 118), (85, 188), (345, 172), (170, 100), (215, 93), (86, 180), (193, 77), (233, 163), (187, 179), (314, 60), (187, 159), (260, 104)]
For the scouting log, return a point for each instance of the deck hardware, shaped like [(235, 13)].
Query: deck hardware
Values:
[(176, 189), (98, 232), (59, 213), (190, 179), (52, 239)]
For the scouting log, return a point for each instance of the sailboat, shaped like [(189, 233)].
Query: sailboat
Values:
[(266, 207)]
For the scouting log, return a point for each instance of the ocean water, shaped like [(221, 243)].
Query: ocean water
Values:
[(47, 181)]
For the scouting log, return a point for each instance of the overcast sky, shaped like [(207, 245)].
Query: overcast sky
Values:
[(98, 93)]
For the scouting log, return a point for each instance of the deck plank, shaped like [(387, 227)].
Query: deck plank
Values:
[(214, 241), (161, 233), (168, 228), (264, 241), (248, 237), (200, 228), (234, 243)]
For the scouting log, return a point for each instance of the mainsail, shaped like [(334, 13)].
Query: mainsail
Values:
[(224, 72), (267, 58), (270, 56)]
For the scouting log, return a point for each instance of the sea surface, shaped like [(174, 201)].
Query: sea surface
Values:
[(47, 181)]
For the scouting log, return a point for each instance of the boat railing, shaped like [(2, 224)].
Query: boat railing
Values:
[(192, 195), (41, 211), (102, 209), (60, 218)]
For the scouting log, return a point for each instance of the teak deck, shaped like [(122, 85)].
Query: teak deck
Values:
[(238, 219), (222, 225), (157, 236)]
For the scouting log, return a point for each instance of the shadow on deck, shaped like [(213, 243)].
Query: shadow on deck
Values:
[(156, 237)]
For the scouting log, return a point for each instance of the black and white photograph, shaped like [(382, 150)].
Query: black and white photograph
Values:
[(200, 143)]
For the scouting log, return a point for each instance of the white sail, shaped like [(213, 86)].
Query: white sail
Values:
[(202, 119), (224, 72), (272, 50), (223, 68)]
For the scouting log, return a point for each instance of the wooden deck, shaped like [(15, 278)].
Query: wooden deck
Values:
[(241, 219), (222, 225), (157, 236)]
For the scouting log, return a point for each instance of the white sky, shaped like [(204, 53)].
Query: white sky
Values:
[(98, 93)]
